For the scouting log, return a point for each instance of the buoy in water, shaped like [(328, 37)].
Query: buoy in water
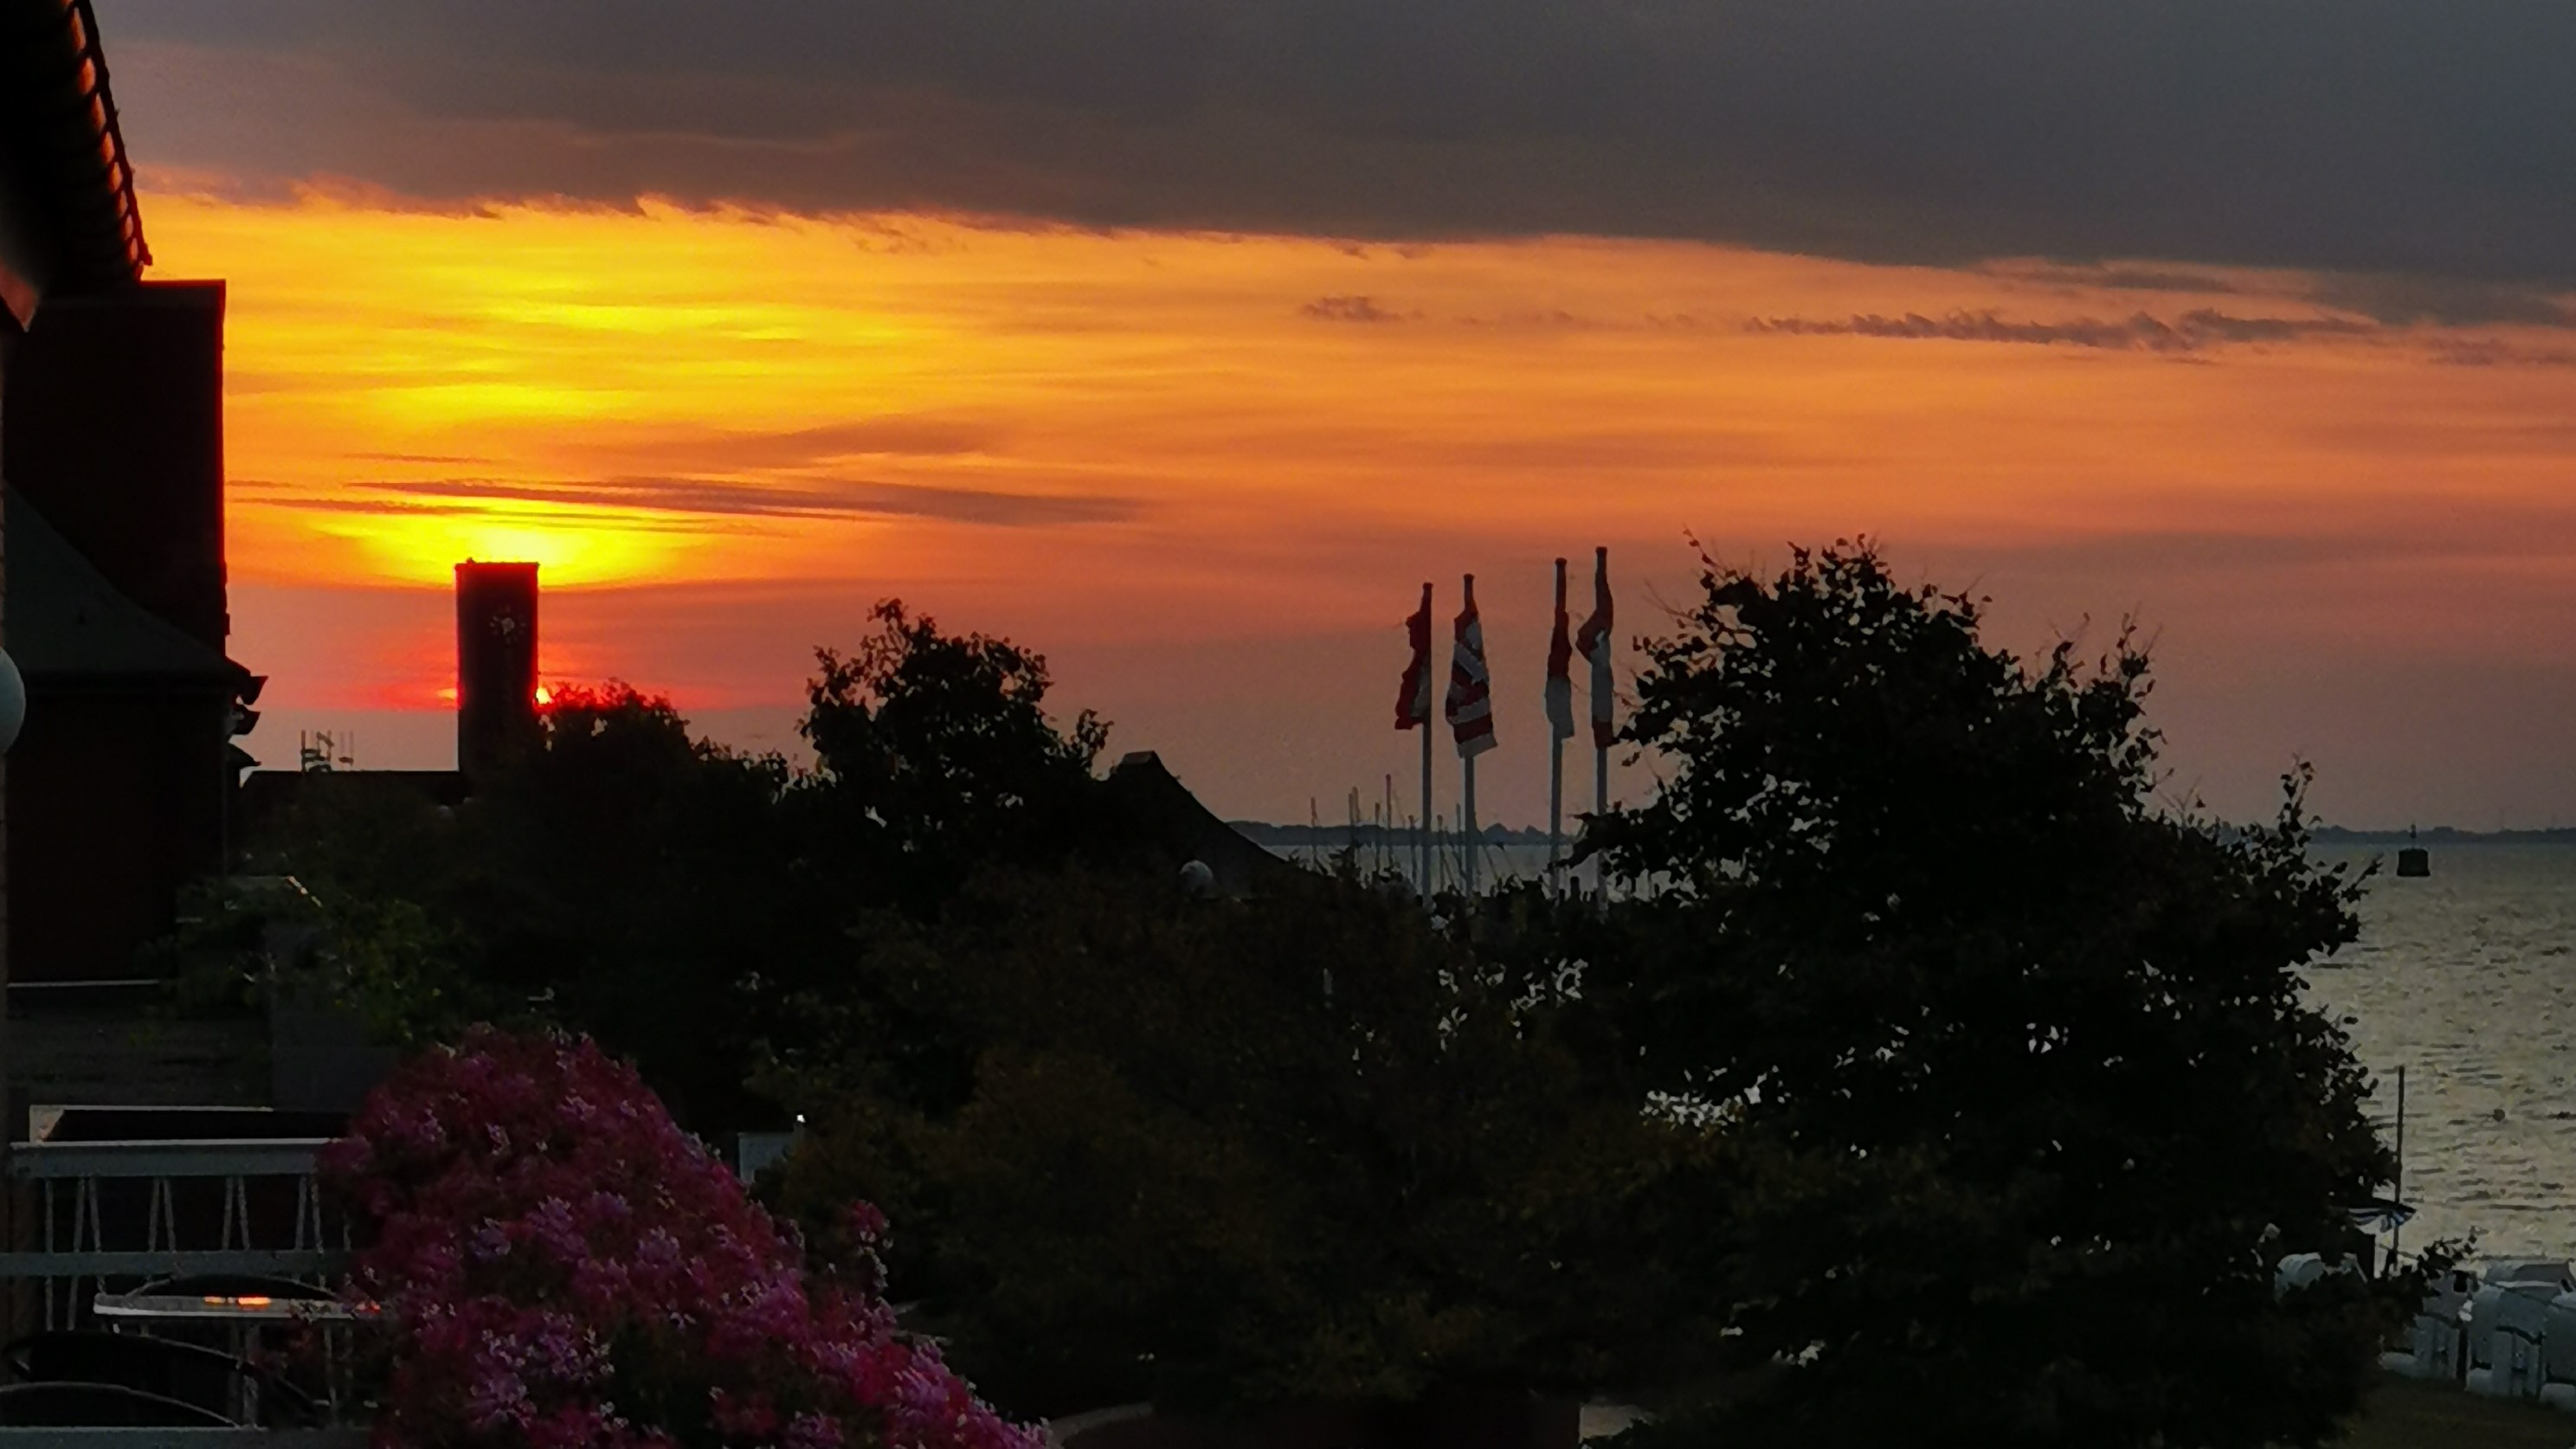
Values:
[(2414, 860)]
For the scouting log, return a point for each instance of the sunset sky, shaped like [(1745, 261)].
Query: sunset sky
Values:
[(1183, 339)]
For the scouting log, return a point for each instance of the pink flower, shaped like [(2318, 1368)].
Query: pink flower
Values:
[(498, 1397), (649, 1266), (552, 1228), (491, 1241), (813, 1431), (865, 1223)]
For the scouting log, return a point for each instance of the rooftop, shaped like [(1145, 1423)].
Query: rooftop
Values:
[(69, 625), (66, 186)]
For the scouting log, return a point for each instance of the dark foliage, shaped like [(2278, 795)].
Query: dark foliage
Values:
[(1945, 1089), (667, 895), (1225, 1153), (617, 879), (2014, 1067), (935, 757)]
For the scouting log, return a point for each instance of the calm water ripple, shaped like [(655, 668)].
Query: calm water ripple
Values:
[(2466, 980)]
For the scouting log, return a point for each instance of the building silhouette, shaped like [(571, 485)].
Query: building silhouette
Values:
[(112, 598), (116, 792), (496, 665), (111, 440), (496, 708)]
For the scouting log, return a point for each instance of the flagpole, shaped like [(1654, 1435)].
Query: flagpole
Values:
[(1470, 711), (1468, 638), (1600, 751), (1414, 710), (1600, 809), (1425, 833), (1467, 818), (1556, 815), (1556, 764)]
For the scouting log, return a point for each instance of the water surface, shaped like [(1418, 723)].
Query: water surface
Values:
[(2466, 980)]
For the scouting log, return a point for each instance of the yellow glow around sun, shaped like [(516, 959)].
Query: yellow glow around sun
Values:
[(568, 551), (1147, 435), (1209, 473), (409, 389)]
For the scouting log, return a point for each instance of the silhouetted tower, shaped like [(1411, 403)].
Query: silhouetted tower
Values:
[(496, 664)]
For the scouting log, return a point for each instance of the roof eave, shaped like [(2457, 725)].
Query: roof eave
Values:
[(68, 147)]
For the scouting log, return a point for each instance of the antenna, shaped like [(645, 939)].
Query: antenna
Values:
[(319, 752)]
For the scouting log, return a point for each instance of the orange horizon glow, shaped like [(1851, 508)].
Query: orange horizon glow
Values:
[(595, 351), (1120, 442)]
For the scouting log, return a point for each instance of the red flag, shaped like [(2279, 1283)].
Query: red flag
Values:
[(1593, 642), (1413, 697), (1560, 675), (1471, 700)]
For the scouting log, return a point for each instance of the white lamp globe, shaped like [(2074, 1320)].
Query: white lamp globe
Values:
[(13, 702)]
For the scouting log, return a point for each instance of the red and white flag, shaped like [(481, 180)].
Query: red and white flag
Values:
[(1560, 673), (1471, 696), (1593, 642), (1413, 697)]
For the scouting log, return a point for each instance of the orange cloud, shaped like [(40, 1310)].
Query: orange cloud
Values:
[(1107, 442)]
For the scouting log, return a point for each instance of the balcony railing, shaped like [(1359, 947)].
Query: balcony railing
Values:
[(210, 1218), (88, 1196)]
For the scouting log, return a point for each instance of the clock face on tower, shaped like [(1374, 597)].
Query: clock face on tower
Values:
[(496, 646)]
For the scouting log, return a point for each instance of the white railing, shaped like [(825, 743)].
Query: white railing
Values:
[(72, 1183)]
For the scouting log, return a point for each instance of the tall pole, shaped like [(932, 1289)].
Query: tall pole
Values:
[(1559, 695), (1386, 846), (1556, 815), (1600, 809), (1598, 634), (1424, 881), (1471, 718), (1467, 821), (1417, 709)]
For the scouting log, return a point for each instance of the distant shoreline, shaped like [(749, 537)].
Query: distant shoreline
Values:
[(2445, 835), (1332, 836), (1261, 832)]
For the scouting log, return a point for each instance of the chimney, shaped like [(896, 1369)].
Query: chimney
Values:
[(496, 664)]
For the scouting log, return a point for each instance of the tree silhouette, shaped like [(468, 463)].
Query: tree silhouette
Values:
[(934, 753), (2015, 1066)]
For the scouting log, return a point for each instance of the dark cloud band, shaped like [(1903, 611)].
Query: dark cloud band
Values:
[(714, 498), (2392, 137), (2194, 331)]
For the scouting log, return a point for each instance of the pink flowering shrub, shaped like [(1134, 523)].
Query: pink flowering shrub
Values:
[(559, 1264)]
